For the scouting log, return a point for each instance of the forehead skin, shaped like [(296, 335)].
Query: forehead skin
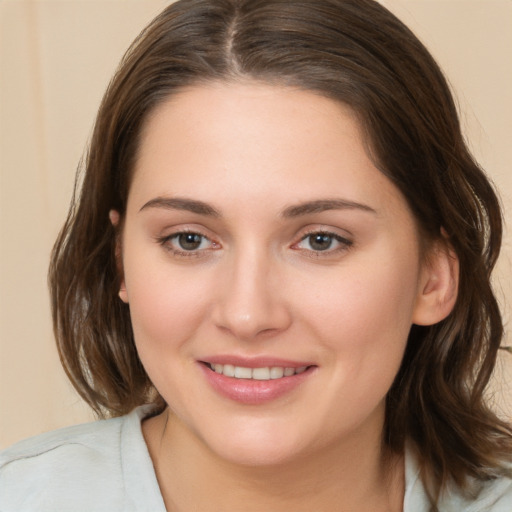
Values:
[(243, 139)]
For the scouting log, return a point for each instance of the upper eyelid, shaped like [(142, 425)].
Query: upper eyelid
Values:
[(343, 237), (166, 235), (302, 236), (188, 232), (170, 232), (339, 238), (327, 230), (323, 232)]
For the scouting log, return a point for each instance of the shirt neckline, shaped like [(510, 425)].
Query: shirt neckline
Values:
[(143, 490)]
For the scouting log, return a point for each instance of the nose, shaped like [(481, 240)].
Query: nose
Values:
[(251, 300)]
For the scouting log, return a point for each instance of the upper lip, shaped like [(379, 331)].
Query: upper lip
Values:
[(255, 362)]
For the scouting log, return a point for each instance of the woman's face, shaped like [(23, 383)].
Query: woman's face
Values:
[(261, 241)]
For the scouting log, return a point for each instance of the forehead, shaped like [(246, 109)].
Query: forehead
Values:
[(241, 140), (244, 109)]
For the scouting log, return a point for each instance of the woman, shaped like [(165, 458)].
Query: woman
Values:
[(282, 247)]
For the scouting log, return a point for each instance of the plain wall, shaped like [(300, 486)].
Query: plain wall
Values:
[(56, 58)]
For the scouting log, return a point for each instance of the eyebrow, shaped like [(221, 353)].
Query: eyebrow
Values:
[(176, 203), (323, 205), (202, 208)]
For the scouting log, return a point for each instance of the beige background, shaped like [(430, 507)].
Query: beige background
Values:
[(56, 57)]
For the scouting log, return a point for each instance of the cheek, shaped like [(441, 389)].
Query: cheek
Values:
[(167, 303), (363, 319), (166, 311), (366, 298)]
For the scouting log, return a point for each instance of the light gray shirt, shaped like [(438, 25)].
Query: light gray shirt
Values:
[(105, 466)]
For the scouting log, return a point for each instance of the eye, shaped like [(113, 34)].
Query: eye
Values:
[(190, 241), (187, 243), (321, 241)]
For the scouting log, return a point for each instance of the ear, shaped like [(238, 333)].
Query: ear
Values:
[(114, 219), (439, 283)]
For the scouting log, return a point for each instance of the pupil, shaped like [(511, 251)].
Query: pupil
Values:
[(320, 242), (189, 241)]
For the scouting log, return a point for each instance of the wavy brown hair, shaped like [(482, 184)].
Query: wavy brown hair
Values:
[(357, 53)]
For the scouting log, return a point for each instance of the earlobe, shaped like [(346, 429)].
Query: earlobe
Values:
[(438, 287), (123, 295), (114, 217)]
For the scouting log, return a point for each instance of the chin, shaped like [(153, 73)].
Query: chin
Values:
[(257, 456), (255, 447)]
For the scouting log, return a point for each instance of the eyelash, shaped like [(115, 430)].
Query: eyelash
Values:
[(344, 243), (166, 242)]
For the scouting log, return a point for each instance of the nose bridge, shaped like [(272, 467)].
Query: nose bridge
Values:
[(249, 303)]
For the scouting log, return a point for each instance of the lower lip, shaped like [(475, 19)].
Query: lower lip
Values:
[(251, 391)]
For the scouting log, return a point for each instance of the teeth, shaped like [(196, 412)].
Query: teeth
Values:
[(229, 370), (243, 373), (267, 373), (276, 372), (261, 373)]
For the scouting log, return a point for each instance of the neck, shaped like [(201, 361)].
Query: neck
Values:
[(346, 477)]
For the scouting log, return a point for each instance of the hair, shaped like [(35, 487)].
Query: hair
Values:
[(355, 52)]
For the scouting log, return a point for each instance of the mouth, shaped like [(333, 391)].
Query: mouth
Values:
[(263, 373), (254, 383)]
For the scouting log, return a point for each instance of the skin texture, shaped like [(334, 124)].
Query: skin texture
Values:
[(256, 286)]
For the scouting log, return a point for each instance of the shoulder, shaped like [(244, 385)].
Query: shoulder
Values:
[(75, 465), (484, 496), (491, 496)]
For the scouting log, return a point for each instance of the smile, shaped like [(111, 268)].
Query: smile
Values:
[(251, 382), (264, 373)]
